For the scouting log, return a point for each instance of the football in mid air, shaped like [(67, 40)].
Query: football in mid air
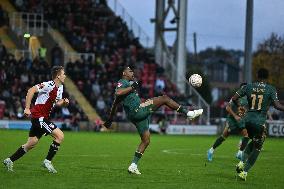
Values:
[(195, 80)]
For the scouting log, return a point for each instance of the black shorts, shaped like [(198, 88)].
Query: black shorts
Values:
[(41, 126)]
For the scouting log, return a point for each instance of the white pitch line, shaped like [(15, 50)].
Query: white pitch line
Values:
[(85, 155), (80, 155), (170, 152)]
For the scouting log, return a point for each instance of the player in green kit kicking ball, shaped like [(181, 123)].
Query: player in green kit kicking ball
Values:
[(232, 124), (260, 96), (139, 113)]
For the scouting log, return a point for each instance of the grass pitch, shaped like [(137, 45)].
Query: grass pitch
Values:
[(100, 160)]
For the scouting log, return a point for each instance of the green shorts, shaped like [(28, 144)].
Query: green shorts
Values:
[(142, 126), (232, 124), (254, 122), (140, 117)]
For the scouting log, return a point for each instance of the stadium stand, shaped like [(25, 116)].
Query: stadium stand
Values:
[(16, 77), (91, 26)]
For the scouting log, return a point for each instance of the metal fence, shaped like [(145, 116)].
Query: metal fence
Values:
[(133, 26)]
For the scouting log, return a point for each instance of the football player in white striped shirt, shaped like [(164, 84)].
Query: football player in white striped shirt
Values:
[(49, 95)]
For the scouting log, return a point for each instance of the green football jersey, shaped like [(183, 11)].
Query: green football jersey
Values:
[(260, 95), (130, 101)]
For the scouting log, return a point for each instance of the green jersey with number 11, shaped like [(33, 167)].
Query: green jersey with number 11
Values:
[(260, 95)]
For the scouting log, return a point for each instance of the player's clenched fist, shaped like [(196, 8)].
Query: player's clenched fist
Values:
[(107, 124), (135, 85), (27, 112)]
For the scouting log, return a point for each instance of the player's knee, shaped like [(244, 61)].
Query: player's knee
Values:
[(244, 133), (226, 134), (165, 97), (59, 137)]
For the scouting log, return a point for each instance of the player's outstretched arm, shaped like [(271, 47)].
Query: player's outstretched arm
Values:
[(229, 109), (235, 99), (113, 108), (231, 112), (108, 122), (124, 91), (29, 98), (278, 105)]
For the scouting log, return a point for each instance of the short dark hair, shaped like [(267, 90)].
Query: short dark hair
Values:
[(123, 68), (55, 70), (262, 73)]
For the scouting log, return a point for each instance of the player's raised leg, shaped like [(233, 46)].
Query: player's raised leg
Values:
[(22, 150), (58, 136), (165, 100)]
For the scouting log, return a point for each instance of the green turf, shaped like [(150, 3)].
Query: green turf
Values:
[(100, 160)]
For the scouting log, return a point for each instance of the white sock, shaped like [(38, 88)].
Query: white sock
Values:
[(211, 149)]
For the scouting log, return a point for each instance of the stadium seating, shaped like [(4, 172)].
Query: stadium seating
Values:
[(16, 77), (106, 35)]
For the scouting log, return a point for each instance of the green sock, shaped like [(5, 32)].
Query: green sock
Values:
[(137, 157), (218, 142), (182, 110), (247, 151), (244, 143), (251, 159)]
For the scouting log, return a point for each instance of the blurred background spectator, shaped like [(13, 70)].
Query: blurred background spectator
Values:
[(17, 76)]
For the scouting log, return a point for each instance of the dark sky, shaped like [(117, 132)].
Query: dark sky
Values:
[(216, 22)]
